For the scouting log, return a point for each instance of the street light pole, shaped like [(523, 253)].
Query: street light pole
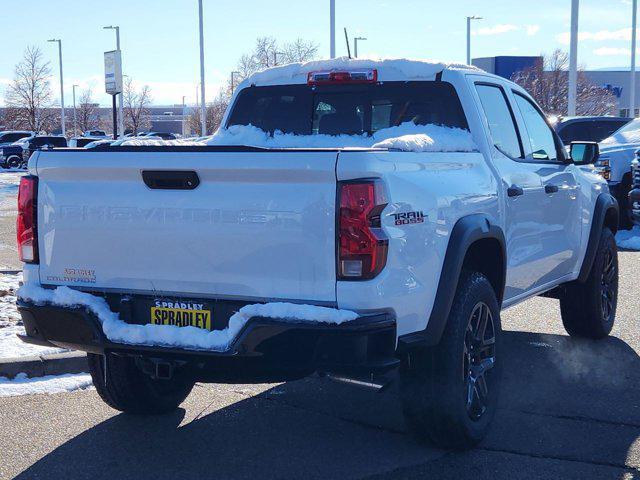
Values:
[(120, 100), (573, 59), (203, 110), (75, 120), (473, 17), (61, 84), (183, 115), (233, 83), (332, 28), (632, 83), (355, 45)]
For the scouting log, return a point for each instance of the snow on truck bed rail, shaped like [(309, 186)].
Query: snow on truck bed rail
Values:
[(193, 338), (407, 137)]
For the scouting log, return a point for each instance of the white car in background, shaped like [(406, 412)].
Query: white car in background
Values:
[(616, 154)]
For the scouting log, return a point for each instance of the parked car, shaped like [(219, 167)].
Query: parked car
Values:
[(162, 135), (97, 143), (588, 129), (616, 155), (79, 142), (9, 136), (275, 252), (634, 194), (17, 154), (95, 133)]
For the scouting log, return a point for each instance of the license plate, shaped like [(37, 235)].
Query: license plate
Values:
[(181, 314)]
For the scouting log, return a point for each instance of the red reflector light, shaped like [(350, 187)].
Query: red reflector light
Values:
[(330, 77), (26, 223), (362, 252)]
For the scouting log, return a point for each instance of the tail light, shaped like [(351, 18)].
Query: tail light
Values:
[(362, 251), (27, 221), (332, 77)]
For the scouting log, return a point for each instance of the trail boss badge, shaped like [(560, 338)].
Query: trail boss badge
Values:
[(408, 218)]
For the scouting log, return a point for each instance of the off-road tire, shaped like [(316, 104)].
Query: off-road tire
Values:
[(588, 309), (435, 381), (130, 390)]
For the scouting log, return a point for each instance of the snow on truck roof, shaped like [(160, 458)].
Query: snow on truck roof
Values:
[(390, 69)]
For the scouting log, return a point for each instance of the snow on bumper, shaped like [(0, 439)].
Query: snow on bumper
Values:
[(118, 331)]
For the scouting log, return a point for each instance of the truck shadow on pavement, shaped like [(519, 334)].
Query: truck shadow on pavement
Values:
[(569, 409)]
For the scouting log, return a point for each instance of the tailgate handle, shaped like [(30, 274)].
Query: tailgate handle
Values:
[(170, 179)]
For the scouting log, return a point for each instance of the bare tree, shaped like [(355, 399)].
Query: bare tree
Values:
[(87, 112), (268, 53), (548, 82), (214, 113), (28, 97), (136, 107)]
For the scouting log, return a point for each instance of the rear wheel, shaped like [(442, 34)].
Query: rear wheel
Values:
[(588, 309), (14, 162), (450, 391), (128, 389)]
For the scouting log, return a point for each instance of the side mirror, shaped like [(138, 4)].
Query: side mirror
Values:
[(584, 153)]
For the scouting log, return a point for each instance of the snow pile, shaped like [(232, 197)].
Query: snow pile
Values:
[(170, 335), (388, 70), (629, 239), (23, 385), (407, 137), (433, 139), (12, 347)]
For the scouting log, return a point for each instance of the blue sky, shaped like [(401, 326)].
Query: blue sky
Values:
[(160, 37)]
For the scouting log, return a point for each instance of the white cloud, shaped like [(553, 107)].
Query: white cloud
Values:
[(497, 29), (599, 36), (611, 52), (532, 29)]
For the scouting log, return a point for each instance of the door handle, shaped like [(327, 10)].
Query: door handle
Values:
[(550, 189), (515, 191)]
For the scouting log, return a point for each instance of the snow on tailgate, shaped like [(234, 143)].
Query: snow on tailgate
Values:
[(187, 337)]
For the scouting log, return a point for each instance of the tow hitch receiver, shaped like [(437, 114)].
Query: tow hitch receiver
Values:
[(158, 368)]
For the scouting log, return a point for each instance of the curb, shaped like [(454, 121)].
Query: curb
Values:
[(52, 364)]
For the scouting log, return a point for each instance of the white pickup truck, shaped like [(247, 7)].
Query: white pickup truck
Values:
[(353, 218)]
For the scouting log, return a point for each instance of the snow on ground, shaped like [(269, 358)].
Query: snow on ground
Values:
[(629, 239), (22, 385), (406, 137), (188, 337), (11, 323)]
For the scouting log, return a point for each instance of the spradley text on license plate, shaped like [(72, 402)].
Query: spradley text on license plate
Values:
[(181, 314)]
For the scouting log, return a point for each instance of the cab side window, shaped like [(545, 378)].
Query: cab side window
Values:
[(543, 145), (500, 118)]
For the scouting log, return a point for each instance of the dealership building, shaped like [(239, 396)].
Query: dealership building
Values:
[(617, 81)]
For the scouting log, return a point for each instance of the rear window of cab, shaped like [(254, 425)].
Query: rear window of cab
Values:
[(347, 109)]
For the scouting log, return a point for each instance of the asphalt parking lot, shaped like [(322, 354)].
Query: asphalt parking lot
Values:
[(569, 410)]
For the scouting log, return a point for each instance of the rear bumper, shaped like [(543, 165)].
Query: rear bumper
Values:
[(634, 205), (266, 348)]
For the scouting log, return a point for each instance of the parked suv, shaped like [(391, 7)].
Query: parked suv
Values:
[(10, 136), (634, 195), (17, 154), (616, 155), (589, 129), (355, 218)]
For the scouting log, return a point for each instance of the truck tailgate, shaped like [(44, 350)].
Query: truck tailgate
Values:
[(260, 225)]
